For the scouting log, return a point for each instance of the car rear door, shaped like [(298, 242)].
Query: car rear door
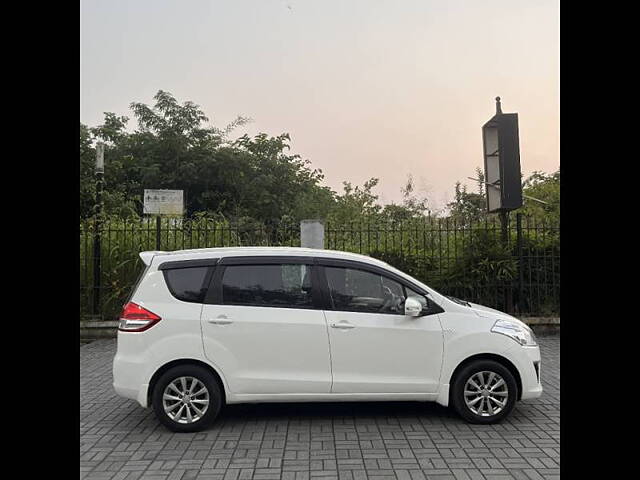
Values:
[(263, 326)]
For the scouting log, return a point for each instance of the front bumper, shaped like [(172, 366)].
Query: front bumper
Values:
[(527, 361)]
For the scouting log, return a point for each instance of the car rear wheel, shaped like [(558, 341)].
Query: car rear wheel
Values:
[(186, 398), (484, 391)]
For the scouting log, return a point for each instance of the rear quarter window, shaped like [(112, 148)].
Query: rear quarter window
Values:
[(187, 284), (137, 284)]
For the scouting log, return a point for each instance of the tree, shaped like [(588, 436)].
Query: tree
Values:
[(355, 203), (174, 147), (545, 187), (87, 168), (466, 206), (413, 206)]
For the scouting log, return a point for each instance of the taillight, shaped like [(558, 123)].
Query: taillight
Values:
[(135, 318)]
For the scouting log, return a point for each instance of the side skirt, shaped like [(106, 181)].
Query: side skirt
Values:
[(331, 397)]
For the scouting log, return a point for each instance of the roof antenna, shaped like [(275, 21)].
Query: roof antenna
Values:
[(498, 106)]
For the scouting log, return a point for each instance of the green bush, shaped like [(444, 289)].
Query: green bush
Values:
[(466, 261)]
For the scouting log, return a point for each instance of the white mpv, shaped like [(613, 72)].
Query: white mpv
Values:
[(209, 327)]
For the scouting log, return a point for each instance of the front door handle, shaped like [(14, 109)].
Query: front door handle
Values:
[(343, 325), (220, 320)]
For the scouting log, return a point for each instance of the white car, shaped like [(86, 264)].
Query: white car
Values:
[(218, 326)]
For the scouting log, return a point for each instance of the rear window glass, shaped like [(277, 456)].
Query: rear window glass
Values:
[(268, 285), (187, 284)]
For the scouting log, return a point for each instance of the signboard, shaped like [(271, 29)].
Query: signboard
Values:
[(163, 202), (501, 151)]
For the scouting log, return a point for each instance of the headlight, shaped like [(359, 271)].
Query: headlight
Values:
[(520, 333)]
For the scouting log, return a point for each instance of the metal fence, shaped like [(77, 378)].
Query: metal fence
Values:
[(515, 270)]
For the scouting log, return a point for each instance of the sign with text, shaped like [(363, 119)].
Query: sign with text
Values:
[(163, 202)]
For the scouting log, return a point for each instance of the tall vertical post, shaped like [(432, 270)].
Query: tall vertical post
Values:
[(504, 228), (504, 236), (158, 231), (97, 222), (520, 262)]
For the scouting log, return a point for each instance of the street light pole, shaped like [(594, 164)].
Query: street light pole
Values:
[(504, 237), (97, 227)]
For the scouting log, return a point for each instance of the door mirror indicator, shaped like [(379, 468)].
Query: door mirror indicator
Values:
[(412, 307)]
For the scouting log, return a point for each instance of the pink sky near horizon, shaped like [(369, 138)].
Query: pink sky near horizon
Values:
[(365, 88)]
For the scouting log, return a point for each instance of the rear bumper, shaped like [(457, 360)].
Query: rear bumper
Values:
[(127, 380)]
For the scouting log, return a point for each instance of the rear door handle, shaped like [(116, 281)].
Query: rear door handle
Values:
[(220, 320), (343, 325)]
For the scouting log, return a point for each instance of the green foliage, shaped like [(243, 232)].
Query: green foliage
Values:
[(545, 187), (252, 190), (468, 207), (467, 261), (355, 203), (415, 265), (358, 203), (87, 167), (174, 148), (122, 239), (413, 206), (484, 261)]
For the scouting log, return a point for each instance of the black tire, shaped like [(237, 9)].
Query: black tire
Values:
[(458, 395), (199, 373)]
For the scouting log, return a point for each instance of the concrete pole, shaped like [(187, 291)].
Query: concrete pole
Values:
[(312, 233)]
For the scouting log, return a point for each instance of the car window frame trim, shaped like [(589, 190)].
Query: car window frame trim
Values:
[(319, 285), (374, 269)]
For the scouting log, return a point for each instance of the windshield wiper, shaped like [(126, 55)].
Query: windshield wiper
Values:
[(458, 301)]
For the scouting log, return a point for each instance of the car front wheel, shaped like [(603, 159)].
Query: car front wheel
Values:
[(484, 392), (186, 398)]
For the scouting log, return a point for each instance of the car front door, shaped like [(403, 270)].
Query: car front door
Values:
[(375, 348), (263, 326)]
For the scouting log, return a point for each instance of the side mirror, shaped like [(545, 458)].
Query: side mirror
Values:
[(412, 307)]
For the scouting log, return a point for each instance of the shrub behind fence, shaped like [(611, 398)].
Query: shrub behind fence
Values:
[(466, 260)]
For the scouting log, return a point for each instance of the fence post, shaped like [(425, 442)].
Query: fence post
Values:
[(312, 234), (96, 265), (158, 231), (97, 248), (520, 261)]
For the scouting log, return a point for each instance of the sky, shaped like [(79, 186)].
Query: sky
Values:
[(365, 88)]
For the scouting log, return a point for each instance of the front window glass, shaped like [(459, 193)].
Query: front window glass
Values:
[(362, 291)]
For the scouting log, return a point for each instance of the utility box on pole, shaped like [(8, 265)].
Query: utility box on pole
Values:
[(501, 147), (312, 234)]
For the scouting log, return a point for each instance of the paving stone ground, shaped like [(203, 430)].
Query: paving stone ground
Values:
[(119, 440)]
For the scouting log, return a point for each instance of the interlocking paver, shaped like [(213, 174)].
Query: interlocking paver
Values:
[(119, 440)]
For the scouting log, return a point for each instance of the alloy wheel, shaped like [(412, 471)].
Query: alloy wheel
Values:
[(486, 393), (185, 400)]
